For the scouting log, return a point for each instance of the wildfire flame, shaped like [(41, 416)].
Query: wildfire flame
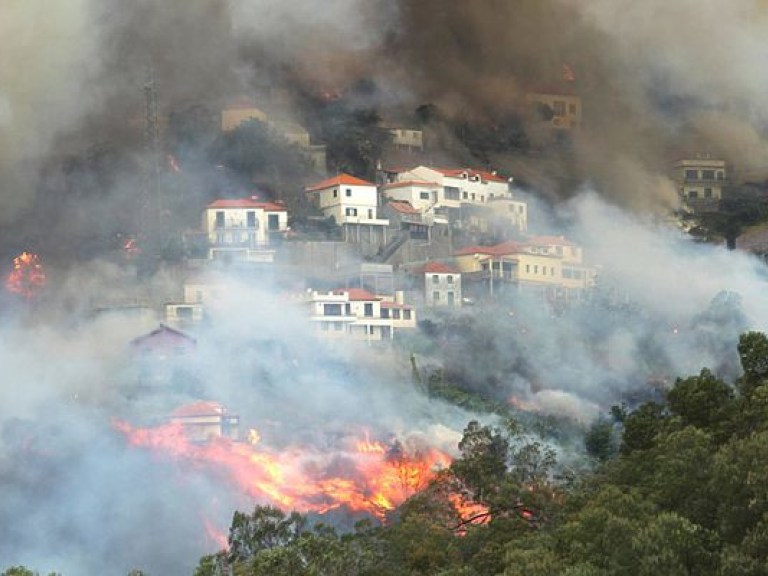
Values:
[(368, 477), (27, 276)]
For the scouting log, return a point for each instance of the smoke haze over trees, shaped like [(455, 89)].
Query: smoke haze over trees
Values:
[(76, 497)]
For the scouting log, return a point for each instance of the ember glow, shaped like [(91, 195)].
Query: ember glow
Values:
[(367, 476), (27, 276)]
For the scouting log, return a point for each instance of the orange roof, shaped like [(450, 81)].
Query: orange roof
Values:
[(402, 207), (503, 249), (405, 183), (438, 268), (247, 203), (357, 294), (340, 180), (482, 174), (201, 408)]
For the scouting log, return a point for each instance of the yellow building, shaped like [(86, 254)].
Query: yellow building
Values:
[(700, 178), (560, 106), (549, 266), (235, 114)]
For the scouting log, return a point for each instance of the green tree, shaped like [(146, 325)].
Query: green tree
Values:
[(703, 401), (753, 352), (642, 426), (265, 528)]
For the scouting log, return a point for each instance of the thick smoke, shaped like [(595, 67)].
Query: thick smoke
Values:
[(77, 498)]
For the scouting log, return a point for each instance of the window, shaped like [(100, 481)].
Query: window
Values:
[(335, 193), (527, 268), (368, 309), (250, 219), (385, 313), (451, 299), (473, 196), (559, 108), (396, 314), (424, 195), (351, 212), (720, 175), (691, 174), (348, 309), (332, 309), (536, 269), (707, 174), (449, 278), (693, 194), (465, 195), (572, 109), (219, 219), (348, 192), (370, 329), (435, 278), (370, 214), (273, 222), (551, 270), (406, 314), (184, 312), (436, 296), (451, 193), (707, 192)]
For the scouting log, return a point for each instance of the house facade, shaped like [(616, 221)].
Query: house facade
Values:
[(559, 106), (441, 193), (700, 178), (550, 267), (359, 315), (347, 199), (243, 229), (442, 285), (205, 421)]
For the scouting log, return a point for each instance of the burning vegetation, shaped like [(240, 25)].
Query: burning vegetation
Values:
[(27, 276)]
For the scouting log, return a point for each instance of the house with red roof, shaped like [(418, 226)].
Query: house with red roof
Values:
[(442, 285), (549, 266), (445, 195), (347, 199), (358, 314), (244, 229), (204, 421)]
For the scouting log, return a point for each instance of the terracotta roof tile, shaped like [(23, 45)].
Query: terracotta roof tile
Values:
[(247, 203), (357, 294), (438, 268), (202, 408), (340, 180), (402, 207)]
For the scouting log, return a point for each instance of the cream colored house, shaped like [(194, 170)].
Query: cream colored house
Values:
[(549, 266), (407, 138), (562, 104), (357, 314), (206, 421), (243, 229), (237, 113), (347, 199), (700, 178)]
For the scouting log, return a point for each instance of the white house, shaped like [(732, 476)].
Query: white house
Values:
[(442, 285), (349, 200), (439, 193), (243, 229), (356, 313)]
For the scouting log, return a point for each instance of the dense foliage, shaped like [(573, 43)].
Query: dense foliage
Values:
[(684, 492)]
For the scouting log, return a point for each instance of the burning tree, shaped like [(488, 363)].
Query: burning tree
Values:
[(27, 276)]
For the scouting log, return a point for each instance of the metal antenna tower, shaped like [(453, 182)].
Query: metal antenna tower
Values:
[(151, 205)]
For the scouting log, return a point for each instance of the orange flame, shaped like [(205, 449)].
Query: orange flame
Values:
[(27, 276), (367, 478)]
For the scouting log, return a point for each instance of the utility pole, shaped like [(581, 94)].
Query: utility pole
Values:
[(151, 209)]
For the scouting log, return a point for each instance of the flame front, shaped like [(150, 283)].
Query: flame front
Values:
[(368, 477), (27, 276)]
